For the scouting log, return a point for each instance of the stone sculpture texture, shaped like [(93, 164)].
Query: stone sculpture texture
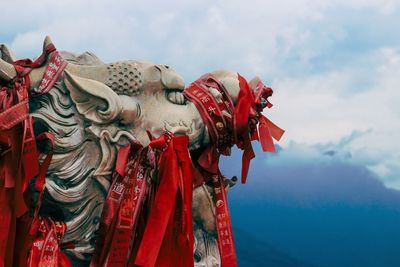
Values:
[(94, 109)]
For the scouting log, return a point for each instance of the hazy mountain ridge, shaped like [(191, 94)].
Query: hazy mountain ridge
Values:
[(321, 209), (252, 252)]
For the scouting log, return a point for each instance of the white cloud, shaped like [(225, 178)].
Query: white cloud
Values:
[(315, 109)]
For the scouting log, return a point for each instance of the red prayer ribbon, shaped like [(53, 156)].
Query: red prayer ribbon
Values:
[(19, 160), (168, 236), (45, 249), (146, 222), (123, 205), (226, 244), (268, 130), (242, 128)]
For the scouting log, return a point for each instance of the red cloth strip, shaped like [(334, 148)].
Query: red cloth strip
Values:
[(127, 237), (275, 131), (216, 114), (243, 110), (240, 129), (224, 225), (41, 180), (18, 156), (168, 237), (120, 211), (14, 115), (45, 249), (268, 130), (54, 68)]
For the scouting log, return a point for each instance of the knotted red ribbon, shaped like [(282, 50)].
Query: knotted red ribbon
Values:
[(146, 222), (168, 236), (243, 111), (248, 112), (239, 128), (268, 130), (45, 250), (19, 160), (123, 208)]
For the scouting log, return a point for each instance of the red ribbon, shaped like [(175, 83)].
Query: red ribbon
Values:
[(226, 244), (212, 112), (168, 237), (148, 225), (53, 70), (45, 249), (123, 207), (261, 94), (24, 66), (18, 155), (268, 130), (242, 127), (249, 107), (41, 179), (14, 133)]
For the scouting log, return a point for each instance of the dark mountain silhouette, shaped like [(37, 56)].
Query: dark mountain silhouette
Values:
[(252, 252), (318, 208)]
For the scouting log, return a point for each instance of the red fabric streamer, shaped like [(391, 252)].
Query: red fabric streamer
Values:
[(226, 244), (137, 229), (45, 250), (123, 207), (241, 126), (28, 226), (268, 130), (19, 161), (168, 237), (15, 132)]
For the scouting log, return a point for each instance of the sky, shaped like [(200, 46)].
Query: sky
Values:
[(335, 70)]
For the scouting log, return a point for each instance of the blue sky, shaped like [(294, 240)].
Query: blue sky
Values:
[(335, 70)]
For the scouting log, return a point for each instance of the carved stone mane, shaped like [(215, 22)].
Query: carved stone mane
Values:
[(79, 175)]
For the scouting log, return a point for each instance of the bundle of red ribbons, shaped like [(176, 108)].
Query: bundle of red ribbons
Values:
[(25, 238), (147, 218), (229, 125)]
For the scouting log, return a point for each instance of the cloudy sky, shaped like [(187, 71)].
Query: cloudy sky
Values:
[(334, 65)]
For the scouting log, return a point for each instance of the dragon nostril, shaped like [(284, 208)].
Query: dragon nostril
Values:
[(175, 96)]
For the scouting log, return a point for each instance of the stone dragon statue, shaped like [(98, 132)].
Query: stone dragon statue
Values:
[(92, 110)]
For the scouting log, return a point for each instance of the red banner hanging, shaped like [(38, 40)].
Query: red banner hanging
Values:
[(223, 223), (19, 161)]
